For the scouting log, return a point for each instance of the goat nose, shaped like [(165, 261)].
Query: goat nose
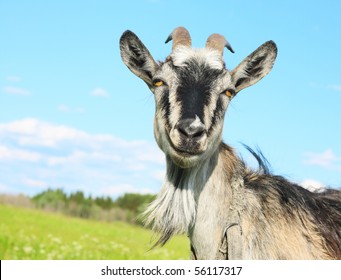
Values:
[(191, 128)]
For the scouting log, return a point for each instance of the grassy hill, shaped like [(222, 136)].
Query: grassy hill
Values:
[(33, 234)]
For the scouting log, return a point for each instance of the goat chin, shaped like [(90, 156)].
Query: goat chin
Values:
[(188, 160), (185, 161)]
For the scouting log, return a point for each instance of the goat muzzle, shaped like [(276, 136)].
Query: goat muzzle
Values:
[(189, 136)]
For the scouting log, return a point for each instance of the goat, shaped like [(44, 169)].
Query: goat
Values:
[(228, 210)]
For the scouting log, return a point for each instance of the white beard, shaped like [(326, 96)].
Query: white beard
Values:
[(174, 209)]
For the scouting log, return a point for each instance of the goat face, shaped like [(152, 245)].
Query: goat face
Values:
[(192, 90)]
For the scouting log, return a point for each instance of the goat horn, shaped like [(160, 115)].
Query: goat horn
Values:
[(218, 42), (180, 37)]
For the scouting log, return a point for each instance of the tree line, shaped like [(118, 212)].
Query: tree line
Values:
[(127, 207)]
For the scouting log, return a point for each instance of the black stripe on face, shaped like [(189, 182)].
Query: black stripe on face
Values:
[(194, 90), (165, 107), (217, 114)]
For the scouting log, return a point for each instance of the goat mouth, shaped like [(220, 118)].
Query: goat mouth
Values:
[(186, 152), (186, 149)]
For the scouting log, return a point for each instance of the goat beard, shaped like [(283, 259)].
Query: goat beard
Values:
[(174, 209), (172, 212)]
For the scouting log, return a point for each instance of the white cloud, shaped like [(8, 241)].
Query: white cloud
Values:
[(33, 132), (16, 91), (312, 185), (13, 154), (3, 188), (34, 153), (66, 109), (63, 108), (14, 79), (159, 175), (326, 159), (34, 183), (99, 92), (78, 156), (79, 110), (335, 87)]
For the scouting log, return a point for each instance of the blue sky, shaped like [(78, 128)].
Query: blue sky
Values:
[(73, 116)]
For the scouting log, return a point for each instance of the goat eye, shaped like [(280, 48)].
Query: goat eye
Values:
[(228, 92), (158, 83)]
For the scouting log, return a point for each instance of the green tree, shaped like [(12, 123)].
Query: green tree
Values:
[(54, 199), (104, 202), (77, 197), (134, 201)]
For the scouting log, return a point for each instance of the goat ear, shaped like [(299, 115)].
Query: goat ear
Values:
[(254, 67), (136, 57)]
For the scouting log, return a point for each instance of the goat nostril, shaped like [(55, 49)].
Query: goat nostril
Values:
[(183, 131), (187, 129), (198, 134)]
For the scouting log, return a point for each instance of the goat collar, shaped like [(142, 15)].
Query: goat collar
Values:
[(231, 243)]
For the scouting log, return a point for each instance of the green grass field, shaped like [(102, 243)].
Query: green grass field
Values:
[(36, 235)]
